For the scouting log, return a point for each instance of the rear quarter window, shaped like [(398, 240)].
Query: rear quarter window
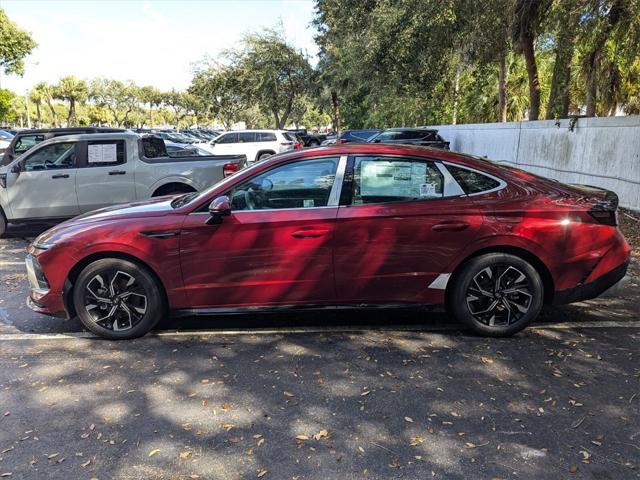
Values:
[(472, 181)]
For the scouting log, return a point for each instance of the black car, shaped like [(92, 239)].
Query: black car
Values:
[(308, 139), (357, 136), (424, 137), (26, 139)]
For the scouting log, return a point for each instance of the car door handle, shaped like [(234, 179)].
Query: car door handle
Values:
[(60, 175), (450, 227), (117, 172), (311, 233)]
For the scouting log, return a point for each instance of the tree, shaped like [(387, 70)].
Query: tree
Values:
[(37, 97), (6, 98), (74, 91), (15, 44), (526, 21), (117, 97), (47, 93), (271, 73), (221, 91)]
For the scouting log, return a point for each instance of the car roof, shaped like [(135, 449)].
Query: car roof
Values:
[(70, 130), (388, 149), (412, 129)]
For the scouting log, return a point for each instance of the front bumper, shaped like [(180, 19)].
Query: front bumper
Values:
[(592, 289)]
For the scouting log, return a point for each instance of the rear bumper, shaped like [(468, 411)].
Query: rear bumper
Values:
[(592, 289)]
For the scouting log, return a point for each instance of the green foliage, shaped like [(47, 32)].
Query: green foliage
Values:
[(6, 113), (15, 44)]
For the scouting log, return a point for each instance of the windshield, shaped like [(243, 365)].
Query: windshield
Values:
[(198, 197)]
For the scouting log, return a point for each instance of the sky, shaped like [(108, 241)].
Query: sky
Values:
[(150, 42)]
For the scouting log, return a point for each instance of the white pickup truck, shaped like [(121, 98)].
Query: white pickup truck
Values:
[(69, 175)]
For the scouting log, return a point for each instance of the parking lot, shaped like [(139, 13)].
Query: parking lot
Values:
[(342, 395)]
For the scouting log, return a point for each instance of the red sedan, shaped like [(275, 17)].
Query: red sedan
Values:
[(364, 225)]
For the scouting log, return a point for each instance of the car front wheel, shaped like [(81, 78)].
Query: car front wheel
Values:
[(117, 299), (496, 294)]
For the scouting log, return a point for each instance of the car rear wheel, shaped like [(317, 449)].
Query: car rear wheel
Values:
[(496, 294), (264, 156), (117, 299)]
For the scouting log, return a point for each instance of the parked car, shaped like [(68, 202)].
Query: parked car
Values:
[(357, 136), (26, 139), (345, 226), (5, 140), (255, 144), (308, 139), (65, 176), (424, 137)]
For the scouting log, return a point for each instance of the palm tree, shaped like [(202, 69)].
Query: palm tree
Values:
[(47, 92), (37, 97), (74, 91)]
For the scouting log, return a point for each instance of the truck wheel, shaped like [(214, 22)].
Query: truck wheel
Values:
[(118, 299), (314, 143), (496, 294), (3, 224)]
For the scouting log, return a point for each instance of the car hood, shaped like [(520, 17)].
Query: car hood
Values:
[(144, 208)]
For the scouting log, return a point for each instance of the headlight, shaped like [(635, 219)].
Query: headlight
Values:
[(41, 245)]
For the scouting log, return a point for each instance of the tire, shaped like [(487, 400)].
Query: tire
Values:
[(3, 224), (496, 294), (263, 156), (314, 143), (145, 302)]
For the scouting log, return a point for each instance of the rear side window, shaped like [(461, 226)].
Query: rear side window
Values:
[(472, 181), (105, 153), (289, 136), (265, 137), (381, 180), (246, 137)]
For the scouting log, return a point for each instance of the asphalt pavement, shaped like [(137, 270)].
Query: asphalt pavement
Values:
[(349, 395)]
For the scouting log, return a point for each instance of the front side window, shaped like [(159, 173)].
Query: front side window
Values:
[(52, 157), (105, 153), (472, 181), (26, 142), (228, 138), (300, 184), (382, 179)]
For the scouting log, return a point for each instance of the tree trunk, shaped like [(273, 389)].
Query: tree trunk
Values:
[(38, 115), (456, 94), (591, 87), (71, 120), (558, 106), (502, 89), (54, 117), (336, 111), (532, 73)]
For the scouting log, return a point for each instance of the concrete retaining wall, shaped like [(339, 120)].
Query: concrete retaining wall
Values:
[(604, 152)]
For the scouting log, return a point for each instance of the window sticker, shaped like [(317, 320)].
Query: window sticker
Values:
[(393, 179), (308, 202), (102, 153), (428, 190)]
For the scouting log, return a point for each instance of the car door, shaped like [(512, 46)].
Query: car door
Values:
[(276, 247), (402, 223), (226, 144), (44, 186), (105, 176), (248, 145)]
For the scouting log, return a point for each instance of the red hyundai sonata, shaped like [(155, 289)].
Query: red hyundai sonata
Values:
[(358, 225)]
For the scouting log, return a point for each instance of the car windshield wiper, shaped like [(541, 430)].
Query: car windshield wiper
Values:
[(183, 199)]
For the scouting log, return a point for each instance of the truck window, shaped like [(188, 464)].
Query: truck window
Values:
[(105, 153), (25, 142), (52, 157)]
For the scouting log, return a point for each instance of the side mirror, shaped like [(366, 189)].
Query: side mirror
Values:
[(15, 168), (218, 208)]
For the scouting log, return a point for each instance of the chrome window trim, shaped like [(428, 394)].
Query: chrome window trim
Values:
[(502, 183), (334, 196)]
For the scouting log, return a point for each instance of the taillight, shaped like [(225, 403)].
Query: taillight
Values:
[(229, 169), (341, 141), (297, 145)]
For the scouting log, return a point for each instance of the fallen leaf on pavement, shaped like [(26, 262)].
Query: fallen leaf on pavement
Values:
[(288, 394), (154, 452), (262, 473), (321, 434), (408, 419), (184, 455), (302, 437)]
